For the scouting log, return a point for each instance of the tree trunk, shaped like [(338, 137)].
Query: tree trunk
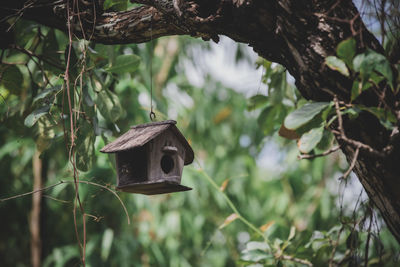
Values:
[(299, 34)]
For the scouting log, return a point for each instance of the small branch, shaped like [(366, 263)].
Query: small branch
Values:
[(339, 115), (369, 235), (40, 57), (291, 258), (32, 192), (71, 182), (330, 151), (335, 246), (353, 163), (340, 134)]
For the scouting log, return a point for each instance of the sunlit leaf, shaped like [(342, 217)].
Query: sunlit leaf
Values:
[(254, 245), (229, 220), (310, 139), (255, 256), (32, 118), (292, 233), (266, 226), (256, 101), (337, 64), (305, 114), (44, 93)]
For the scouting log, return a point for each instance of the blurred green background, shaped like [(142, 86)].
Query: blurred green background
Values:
[(289, 212)]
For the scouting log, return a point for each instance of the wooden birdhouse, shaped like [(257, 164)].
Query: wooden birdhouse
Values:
[(150, 158)]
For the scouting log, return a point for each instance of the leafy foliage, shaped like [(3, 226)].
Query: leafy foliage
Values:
[(241, 211)]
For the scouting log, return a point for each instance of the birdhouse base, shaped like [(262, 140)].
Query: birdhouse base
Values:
[(153, 188)]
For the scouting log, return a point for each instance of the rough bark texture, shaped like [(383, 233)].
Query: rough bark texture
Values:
[(299, 34)]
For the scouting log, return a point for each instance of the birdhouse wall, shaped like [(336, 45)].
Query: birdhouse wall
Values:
[(164, 164), (132, 166)]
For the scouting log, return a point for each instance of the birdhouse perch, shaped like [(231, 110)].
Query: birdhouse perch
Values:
[(150, 158)]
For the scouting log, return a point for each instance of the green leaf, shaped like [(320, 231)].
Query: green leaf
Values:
[(310, 139), (109, 105), (384, 68), (292, 233), (358, 61), (355, 90), (46, 134), (32, 118), (326, 140), (11, 78), (270, 118), (124, 64), (253, 245), (305, 114), (119, 5), (85, 147), (346, 50), (337, 64), (371, 61), (46, 92), (255, 256), (256, 101), (386, 117), (50, 52)]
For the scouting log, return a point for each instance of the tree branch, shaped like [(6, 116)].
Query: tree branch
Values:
[(330, 151)]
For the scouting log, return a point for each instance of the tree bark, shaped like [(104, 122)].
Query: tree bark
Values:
[(299, 34)]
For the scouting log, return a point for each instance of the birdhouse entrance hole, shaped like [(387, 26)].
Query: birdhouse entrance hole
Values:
[(167, 164)]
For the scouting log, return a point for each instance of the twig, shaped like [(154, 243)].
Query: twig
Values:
[(342, 136), (330, 151), (335, 246), (339, 115), (368, 236), (32, 192), (41, 58), (291, 258), (56, 199), (71, 182), (353, 163)]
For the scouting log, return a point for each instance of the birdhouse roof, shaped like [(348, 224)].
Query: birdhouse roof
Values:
[(141, 134)]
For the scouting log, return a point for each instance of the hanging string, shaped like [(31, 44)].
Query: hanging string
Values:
[(152, 114)]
